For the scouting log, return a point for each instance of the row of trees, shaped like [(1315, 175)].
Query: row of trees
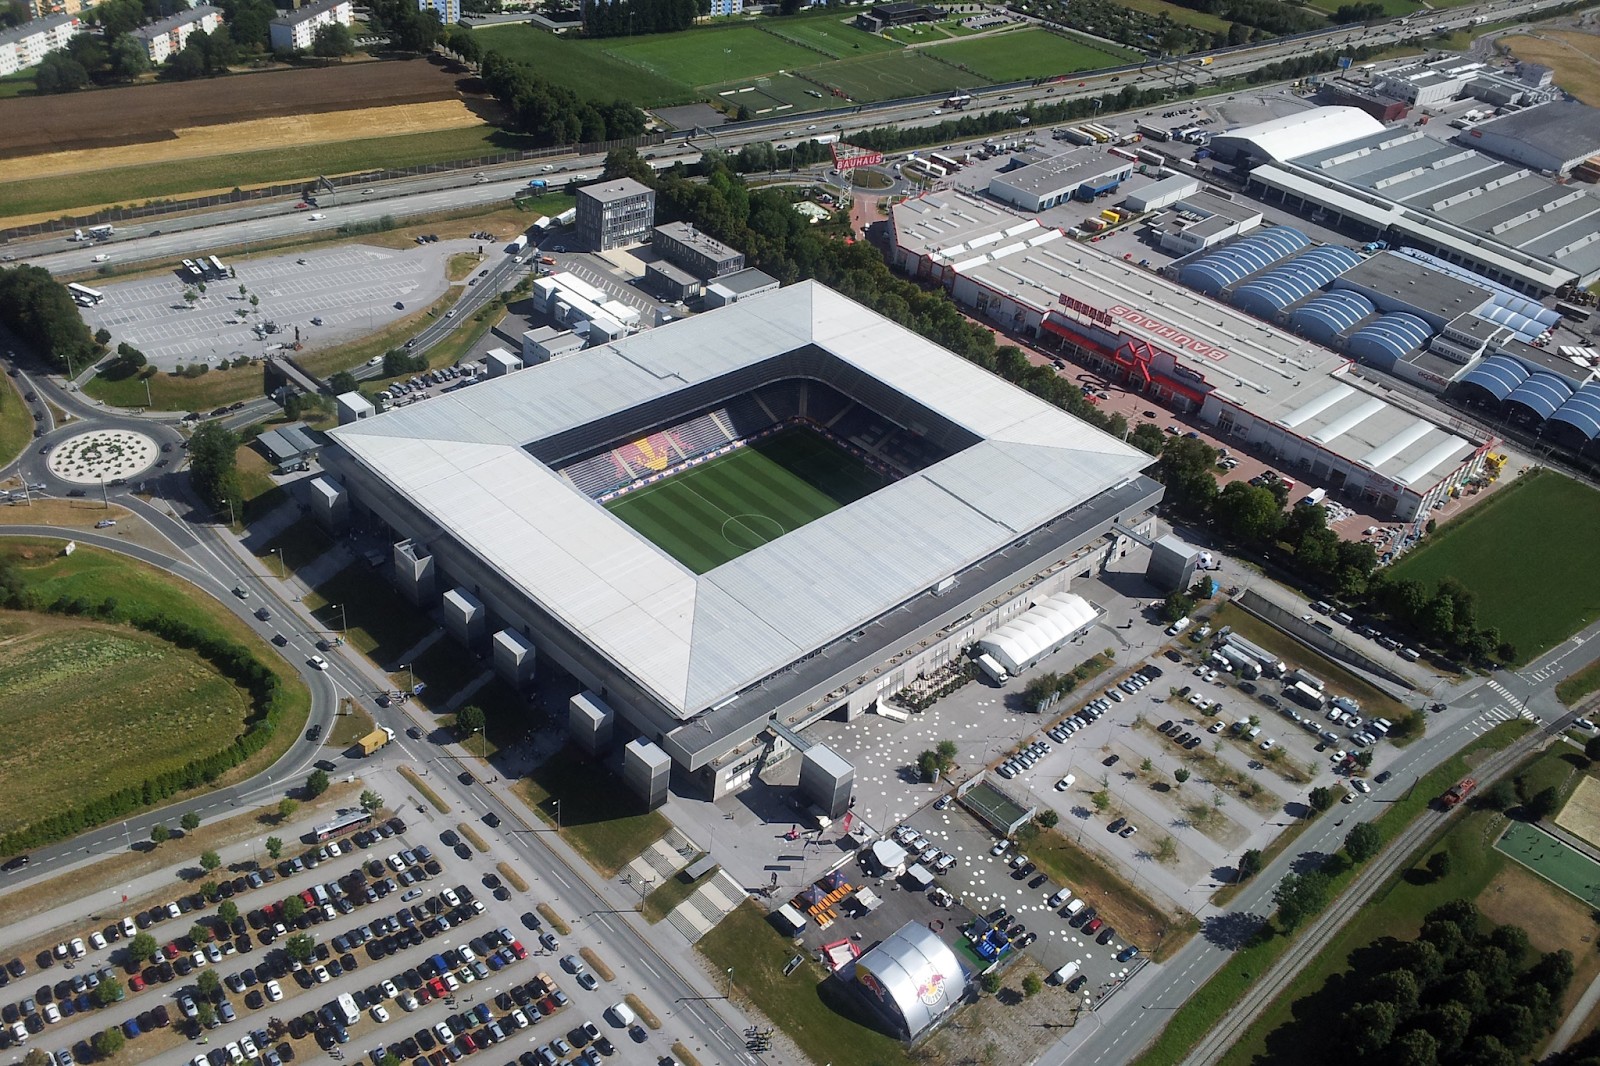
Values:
[(232, 660), (213, 466), (626, 18), (552, 114)]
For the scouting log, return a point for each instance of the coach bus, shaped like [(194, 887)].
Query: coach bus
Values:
[(85, 296), (346, 821), (945, 161), (1573, 311), (101, 233), (217, 268), (197, 267)]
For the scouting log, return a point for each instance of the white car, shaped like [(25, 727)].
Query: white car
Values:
[(78, 950), (318, 662), (1360, 784), (248, 1046), (389, 990), (322, 975), (1338, 756), (97, 940), (379, 1013), (316, 216), (1268, 744), (102, 258), (129, 929), (1065, 783), (274, 991)]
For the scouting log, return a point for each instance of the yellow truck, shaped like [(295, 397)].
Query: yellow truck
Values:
[(375, 739)]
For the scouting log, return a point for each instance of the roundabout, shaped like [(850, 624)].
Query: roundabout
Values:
[(102, 455)]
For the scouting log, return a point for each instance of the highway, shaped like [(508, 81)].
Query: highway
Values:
[(170, 238)]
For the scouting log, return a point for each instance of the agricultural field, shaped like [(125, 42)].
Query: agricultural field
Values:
[(1391, 8), (1027, 53), (1183, 16), (92, 708), (1532, 599), (1574, 56)]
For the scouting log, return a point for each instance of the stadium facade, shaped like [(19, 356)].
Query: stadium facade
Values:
[(995, 500)]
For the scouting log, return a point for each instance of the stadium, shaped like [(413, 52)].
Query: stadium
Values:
[(734, 525)]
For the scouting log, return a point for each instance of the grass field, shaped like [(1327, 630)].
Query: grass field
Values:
[(711, 513), (1575, 57), (1535, 600), (1578, 685), (1479, 872), (58, 679), (97, 575), (1391, 8), (703, 56), (598, 817), (814, 1012), (583, 66), (1183, 16), (136, 184), (1028, 53), (828, 33), (905, 73), (16, 423), (16, 84), (171, 392)]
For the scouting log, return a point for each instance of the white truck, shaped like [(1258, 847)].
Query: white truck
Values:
[(990, 666), (347, 1005), (517, 245)]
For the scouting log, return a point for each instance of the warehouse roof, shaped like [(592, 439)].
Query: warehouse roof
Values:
[(1564, 129), (1305, 131), (1065, 171), (949, 225), (466, 460)]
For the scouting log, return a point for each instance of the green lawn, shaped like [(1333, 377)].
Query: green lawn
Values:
[(671, 892), (16, 423), (711, 513), (172, 392), (1293, 1021), (884, 77), (1028, 53), (383, 624), (133, 185), (598, 816), (1183, 16), (1578, 685), (811, 1008), (704, 56), (1529, 553), (16, 84), (828, 33), (583, 66), (1213, 999)]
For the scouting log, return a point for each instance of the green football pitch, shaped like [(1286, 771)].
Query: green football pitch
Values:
[(719, 510)]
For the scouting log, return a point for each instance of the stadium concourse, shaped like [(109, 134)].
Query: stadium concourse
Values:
[(938, 503)]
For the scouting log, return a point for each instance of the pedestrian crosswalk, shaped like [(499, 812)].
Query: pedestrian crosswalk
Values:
[(1497, 714), (1506, 695)]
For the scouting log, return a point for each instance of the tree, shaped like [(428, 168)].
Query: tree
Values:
[(1249, 864), (293, 908), (274, 848), (190, 821), (1101, 800), (1364, 759), (333, 41), (210, 860), (60, 73), (1591, 748), (1166, 850), (1500, 796), (213, 456), (128, 58), (316, 783), (1299, 896), (1032, 985), (200, 934), (141, 947), (109, 992), (1147, 437), (928, 765), (1439, 865), (37, 1057), (990, 983), (1542, 804), (343, 382), (1180, 775), (469, 720), (1363, 841), (947, 752), (108, 1042), (1049, 818), (227, 912), (208, 889), (1321, 798), (286, 808), (1248, 513), (370, 800), (1177, 605), (39, 310), (300, 947), (159, 834), (207, 983), (206, 1014), (1146, 765)]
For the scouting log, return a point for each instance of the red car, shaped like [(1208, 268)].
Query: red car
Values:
[(1094, 926), (439, 990), (518, 950), (302, 206), (171, 950), (467, 1045), (136, 983)]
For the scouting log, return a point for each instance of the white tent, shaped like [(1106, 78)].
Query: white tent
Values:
[(1022, 641)]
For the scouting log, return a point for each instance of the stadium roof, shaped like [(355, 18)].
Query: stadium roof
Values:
[(693, 642)]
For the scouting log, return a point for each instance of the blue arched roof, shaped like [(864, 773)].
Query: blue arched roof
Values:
[(1325, 316), (1543, 394), (1215, 271), (1387, 340), (1497, 375), (1582, 412), (1270, 292)]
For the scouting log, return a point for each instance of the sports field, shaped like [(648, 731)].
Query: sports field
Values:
[(1529, 554), (1028, 53), (909, 72), (1552, 860), (1580, 815), (719, 510)]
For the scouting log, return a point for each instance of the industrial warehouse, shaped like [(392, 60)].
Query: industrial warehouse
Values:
[(522, 506), (1281, 394)]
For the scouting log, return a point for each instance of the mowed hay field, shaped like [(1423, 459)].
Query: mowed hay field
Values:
[(204, 142), (1574, 56), (1528, 553), (89, 708)]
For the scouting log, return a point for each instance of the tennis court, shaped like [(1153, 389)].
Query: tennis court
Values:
[(1552, 860), (719, 510)]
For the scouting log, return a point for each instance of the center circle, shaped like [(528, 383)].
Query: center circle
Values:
[(102, 455), (748, 531)]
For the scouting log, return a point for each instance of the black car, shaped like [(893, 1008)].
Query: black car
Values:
[(263, 614), (1111, 760), (14, 864), (1077, 982), (1381, 778), (491, 819), (1106, 935), (314, 733), (1150, 672)]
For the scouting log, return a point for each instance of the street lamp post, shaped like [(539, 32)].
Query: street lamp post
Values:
[(558, 814), (342, 624), (275, 551)]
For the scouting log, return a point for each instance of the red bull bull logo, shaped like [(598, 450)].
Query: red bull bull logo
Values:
[(931, 990)]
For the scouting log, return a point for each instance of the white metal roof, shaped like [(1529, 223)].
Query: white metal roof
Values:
[(694, 641), (1302, 132), (1017, 643)]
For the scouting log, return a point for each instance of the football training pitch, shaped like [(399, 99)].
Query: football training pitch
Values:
[(1528, 552), (719, 510)]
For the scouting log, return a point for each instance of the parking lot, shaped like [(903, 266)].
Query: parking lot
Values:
[(418, 950), (353, 289)]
